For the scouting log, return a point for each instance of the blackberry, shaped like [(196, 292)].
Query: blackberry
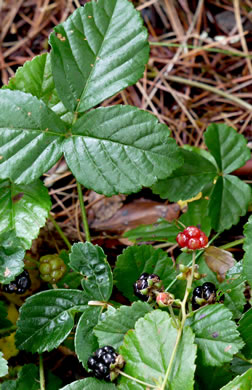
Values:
[(197, 297), (209, 292), (100, 362), (143, 283), (21, 283)]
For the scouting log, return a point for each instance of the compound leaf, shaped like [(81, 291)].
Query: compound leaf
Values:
[(242, 382), (85, 341), (89, 384), (112, 329), (245, 329), (30, 137), (120, 149), (138, 259), (228, 202), (3, 366), (156, 330), (23, 209), (47, 318), (215, 334), (247, 262), (100, 50), (188, 180), (90, 261), (11, 256), (35, 77), (227, 146)]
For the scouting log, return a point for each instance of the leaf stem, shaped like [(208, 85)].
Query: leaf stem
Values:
[(136, 380), (231, 244), (83, 212), (60, 231), (41, 373), (173, 316)]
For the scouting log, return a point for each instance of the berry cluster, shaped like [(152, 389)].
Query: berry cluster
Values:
[(104, 361), (192, 238), (51, 268), (21, 283), (144, 286), (205, 294)]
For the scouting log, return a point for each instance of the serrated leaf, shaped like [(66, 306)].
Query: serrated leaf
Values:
[(23, 209), (197, 215), (242, 382), (120, 149), (228, 202), (100, 50), (35, 77), (28, 378), (234, 277), (3, 366), (247, 260), (215, 334), (71, 279), (90, 261), (89, 384), (11, 256), (47, 318), (162, 230), (112, 329), (187, 181), (245, 329), (85, 341), (218, 260), (31, 136), (138, 259), (227, 146), (156, 331)]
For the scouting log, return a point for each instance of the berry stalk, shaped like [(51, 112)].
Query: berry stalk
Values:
[(41, 373), (60, 231), (83, 212)]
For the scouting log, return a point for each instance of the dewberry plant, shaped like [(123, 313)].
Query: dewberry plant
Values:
[(185, 321)]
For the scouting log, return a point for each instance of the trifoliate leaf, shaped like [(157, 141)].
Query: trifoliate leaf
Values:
[(90, 261), (215, 334), (156, 331), (47, 318), (101, 49), (112, 329)]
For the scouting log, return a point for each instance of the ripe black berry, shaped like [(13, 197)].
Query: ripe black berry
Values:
[(209, 292), (21, 283), (101, 361), (145, 284)]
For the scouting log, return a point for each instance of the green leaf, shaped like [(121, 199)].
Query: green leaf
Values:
[(3, 365), (120, 149), (188, 180), (245, 329), (100, 50), (28, 378), (239, 366), (85, 341), (70, 279), (242, 382), (31, 136), (47, 318), (23, 209), (90, 261), (247, 262), (138, 259), (89, 384), (162, 230), (11, 257), (197, 215), (35, 77), (148, 350), (227, 146), (4, 322), (213, 378), (112, 329), (228, 202), (8, 385), (215, 334)]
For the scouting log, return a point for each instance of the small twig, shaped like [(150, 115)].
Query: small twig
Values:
[(60, 231), (83, 212)]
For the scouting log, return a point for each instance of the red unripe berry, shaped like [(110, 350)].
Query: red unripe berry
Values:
[(164, 299), (182, 240), (194, 243), (192, 232), (203, 240)]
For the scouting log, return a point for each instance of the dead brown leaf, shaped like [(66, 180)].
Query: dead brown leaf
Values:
[(219, 261)]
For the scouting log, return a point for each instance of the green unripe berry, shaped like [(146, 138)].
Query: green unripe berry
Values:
[(51, 268)]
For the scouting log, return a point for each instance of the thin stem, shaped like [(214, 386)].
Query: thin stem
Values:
[(7, 330), (137, 380), (60, 231), (173, 316), (231, 244), (209, 88), (41, 373), (83, 212)]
